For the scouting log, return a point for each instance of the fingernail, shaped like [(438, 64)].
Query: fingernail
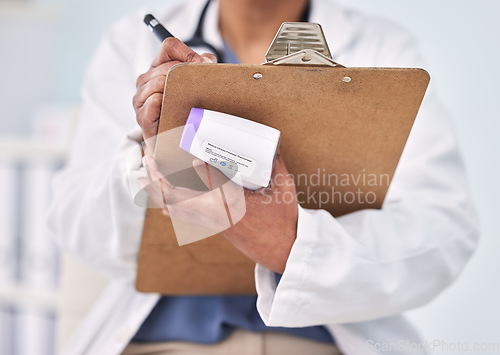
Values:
[(210, 60), (198, 59)]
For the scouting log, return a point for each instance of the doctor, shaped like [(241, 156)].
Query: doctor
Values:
[(345, 281)]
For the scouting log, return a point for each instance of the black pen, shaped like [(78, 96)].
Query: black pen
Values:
[(157, 28)]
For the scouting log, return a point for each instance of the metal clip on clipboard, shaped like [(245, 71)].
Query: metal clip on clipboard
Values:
[(300, 43)]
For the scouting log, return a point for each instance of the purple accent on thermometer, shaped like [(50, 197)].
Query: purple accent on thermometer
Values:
[(192, 125)]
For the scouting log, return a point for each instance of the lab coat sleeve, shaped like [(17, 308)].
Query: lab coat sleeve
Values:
[(92, 216), (372, 264)]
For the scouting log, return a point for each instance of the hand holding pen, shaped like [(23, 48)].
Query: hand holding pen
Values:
[(150, 86)]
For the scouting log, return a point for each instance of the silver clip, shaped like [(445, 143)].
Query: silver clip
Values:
[(300, 43), (305, 56)]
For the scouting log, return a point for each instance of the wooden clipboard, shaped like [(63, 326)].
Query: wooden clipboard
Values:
[(335, 122)]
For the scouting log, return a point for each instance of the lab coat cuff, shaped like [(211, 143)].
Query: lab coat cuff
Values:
[(134, 168), (281, 305)]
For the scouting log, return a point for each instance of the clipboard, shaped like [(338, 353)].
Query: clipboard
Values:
[(337, 125)]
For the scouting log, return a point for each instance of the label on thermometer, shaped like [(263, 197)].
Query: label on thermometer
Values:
[(227, 160)]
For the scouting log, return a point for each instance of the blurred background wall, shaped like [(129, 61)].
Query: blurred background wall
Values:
[(45, 46)]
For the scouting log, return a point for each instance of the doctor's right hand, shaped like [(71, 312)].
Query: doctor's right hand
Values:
[(150, 85)]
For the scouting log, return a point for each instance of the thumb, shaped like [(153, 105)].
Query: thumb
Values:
[(209, 58)]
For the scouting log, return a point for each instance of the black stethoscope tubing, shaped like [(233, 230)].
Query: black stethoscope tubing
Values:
[(198, 41)]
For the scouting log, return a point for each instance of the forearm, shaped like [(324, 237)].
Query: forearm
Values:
[(375, 263)]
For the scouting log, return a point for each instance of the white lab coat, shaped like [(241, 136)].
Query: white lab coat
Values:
[(355, 274)]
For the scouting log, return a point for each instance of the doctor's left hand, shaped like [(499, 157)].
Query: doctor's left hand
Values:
[(268, 229)]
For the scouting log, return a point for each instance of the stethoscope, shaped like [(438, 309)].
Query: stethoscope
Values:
[(198, 41)]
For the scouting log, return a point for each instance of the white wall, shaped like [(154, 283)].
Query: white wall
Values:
[(459, 38), (45, 46), (460, 41)]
